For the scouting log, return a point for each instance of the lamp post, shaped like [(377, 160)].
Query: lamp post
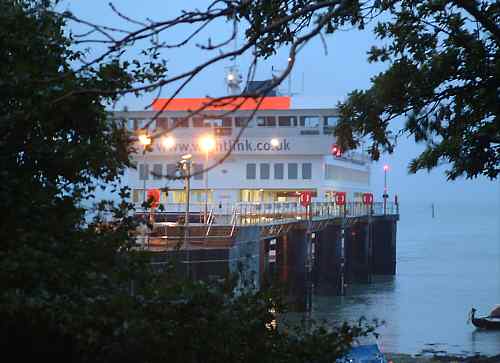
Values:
[(145, 141), (207, 143), (186, 170), (385, 195)]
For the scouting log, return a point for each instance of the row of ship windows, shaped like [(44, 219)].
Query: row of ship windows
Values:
[(176, 196), (279, 171), (229, 122), (245, 195), (157, 172)]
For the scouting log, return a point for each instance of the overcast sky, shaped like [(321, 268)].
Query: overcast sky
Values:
[(328, 76)]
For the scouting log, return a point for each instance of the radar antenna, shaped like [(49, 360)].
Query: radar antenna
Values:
[(233, 80)]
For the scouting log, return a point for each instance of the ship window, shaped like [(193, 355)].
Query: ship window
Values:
[(212, 122), (198, 122), (171, 170), (162, 123), (139, 123), (278, 171), (180, 122), (330, 123), (306, 171), (251, 171), (309, 121), (286, 121), (119, 122), (217, 122), (227, 122), (250, 195), (264, 171), (137, 195), (269, 121), (331, 120), (243, 122), (157, 171), (179, 196), (131, 124), (198, 196), (143, 171), (197, 171), (292, 170)]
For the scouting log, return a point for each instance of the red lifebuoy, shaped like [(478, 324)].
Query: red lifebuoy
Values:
[(340, 198), (305, 198), (367, 198), (154, 195)]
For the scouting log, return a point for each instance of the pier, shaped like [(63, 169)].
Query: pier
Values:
[(322, 247)]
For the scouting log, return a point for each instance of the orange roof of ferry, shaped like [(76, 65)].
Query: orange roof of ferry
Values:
[(193, 104)]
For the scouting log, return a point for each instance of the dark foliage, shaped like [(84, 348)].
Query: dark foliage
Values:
[(77, 291)]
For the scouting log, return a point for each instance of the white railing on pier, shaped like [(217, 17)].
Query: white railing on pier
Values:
[(246, 213)]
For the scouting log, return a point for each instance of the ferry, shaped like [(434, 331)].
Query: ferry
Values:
[(271, 154)]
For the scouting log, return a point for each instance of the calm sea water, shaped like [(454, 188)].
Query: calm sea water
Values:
[(445, 266)]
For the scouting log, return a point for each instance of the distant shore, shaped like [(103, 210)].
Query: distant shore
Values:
[(423, 358)]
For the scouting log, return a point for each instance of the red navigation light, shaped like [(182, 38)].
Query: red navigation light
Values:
[(336, 150)]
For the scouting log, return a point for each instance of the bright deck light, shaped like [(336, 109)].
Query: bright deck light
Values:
[(275, 142), (168, 142), (207, 143), (144, 139), (386, 167)]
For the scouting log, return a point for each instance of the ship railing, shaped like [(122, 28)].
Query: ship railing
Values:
[(264, 213), (248, 213)]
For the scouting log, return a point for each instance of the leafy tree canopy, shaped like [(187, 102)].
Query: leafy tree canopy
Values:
[(77, 291), (442, 77)]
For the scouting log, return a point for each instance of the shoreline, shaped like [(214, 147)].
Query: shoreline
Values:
[(441, 358)]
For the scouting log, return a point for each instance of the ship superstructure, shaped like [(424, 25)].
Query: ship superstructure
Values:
[(281, 152)]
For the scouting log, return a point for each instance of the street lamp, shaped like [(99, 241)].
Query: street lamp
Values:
[(186, 170), (385, 195), (207, 144), (145, 141)]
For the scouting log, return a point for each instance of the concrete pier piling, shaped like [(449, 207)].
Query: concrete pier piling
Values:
[(291, 264), (326, 275), (358, 252), (384, 245)]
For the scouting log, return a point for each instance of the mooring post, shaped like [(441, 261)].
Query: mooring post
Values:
[(369, 249), (342, 251), (309, 282)]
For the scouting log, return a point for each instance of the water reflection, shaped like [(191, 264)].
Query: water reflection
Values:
[(445, 266)]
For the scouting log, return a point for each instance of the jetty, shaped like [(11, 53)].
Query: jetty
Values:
[(322, 246)]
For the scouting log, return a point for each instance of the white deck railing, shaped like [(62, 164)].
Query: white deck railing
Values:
[(246, 213)]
